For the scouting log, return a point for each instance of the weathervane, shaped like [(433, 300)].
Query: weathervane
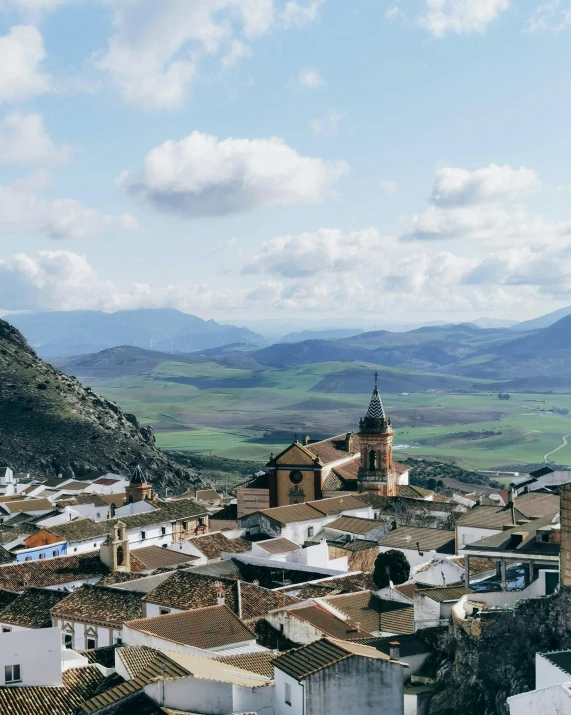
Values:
[(376, 377)]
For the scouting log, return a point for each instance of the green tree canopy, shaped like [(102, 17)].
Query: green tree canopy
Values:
[(391, 566)]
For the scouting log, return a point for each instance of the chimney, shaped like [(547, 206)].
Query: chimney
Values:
[(394, 650), (220, 594), (349, 442), (513, 495)]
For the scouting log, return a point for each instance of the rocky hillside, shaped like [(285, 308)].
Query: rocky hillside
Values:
[(51, 424)]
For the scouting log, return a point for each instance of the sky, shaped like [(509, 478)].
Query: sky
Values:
[(311, 160)]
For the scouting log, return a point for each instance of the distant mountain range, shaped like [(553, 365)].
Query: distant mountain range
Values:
[(76, 332)]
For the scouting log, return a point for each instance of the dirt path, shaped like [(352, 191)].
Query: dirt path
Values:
[(545, 456)]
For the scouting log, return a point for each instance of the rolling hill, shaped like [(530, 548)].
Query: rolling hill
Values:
[(51, 424), (77, 332)]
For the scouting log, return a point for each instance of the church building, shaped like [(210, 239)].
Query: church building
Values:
[(352, 462)]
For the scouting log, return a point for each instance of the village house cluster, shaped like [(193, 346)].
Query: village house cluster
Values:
[(114, 601)]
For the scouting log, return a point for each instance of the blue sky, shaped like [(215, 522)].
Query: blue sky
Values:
[(309, 159)]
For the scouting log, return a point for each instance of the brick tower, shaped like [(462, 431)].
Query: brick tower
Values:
[(138, 489), (377, 474)]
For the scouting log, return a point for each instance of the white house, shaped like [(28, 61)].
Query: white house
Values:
[(419, 545), (31, 657), (552, 692)]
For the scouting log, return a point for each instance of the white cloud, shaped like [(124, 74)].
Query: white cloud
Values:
[(21, 56), (393, 12), (296, 14), (552, 16), (25, 141), (21, 209), (327, 123), (471, 206), (155, 53), (458, 187), (462, 17), (389, 187), (201, 176), (238, 51), (310, 78)]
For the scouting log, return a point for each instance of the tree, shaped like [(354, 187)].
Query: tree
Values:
[(391, 566), (440, 484), (431, 483)]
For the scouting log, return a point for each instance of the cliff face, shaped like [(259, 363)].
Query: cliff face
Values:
[(50, 424), (478, 674)]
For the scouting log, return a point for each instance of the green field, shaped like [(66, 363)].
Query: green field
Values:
[(246, 414)]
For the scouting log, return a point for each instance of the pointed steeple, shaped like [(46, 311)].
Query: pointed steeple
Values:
[(138, 477), (376, 420), (376, 410)]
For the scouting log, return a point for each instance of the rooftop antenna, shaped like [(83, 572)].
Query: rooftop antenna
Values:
[(376, 377)]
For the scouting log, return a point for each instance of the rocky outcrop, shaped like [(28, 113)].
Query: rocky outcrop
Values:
[(477, 674), (50, 424)]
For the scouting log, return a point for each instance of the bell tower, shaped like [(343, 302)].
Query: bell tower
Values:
[(376, 473), (114, 551), (138, 489)]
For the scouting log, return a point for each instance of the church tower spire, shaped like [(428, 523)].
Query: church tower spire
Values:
[(377, 473)]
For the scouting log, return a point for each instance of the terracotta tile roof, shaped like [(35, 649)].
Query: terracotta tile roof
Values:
[(355, 524), (227, 513), (187, 590), (281, 545), (6, 557), (409, 645), (269, 637), (489, 517), (407, 589), (400, 468), (260, 663), (336, 505), (32, 608), (114, 499), (261, 482), (291, 513), (105, 482), (534, 504), (411, 492), (94, 499), (477, 566), (336, 584), (349, 471), (78, 684), (154, 557), (104, 656), (329, 450), (28, 505), (412, 537), (140, 658), (303, 662), (375, 614), (140, 703), (6, 598), (210, 627), (52, 572), (116, 577), (392, 505), (327, 623), (83, 529), (213, 545), (520, 539), (100, 604), (444, 593)]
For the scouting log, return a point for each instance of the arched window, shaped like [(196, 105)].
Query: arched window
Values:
[(55, 553), (120, 556), (42, 556), (28, 558), (372, 460)]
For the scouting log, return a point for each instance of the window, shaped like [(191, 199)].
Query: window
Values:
[(91, 643), (143, 535), (185, 525), (201, 521), (163, 530), (5, 629), (12, 674), (55, 553), (296, 477), (310, 531), (28, 558), (118, 640), (68, 640), (42, 556), (164, 611), (287, 694)]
